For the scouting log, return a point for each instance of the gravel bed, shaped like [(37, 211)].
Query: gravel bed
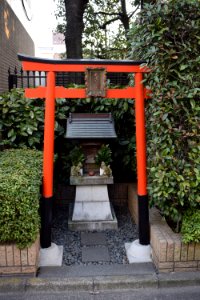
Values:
[(71, 240)]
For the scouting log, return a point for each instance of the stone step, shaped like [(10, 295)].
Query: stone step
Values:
[(95, 254), (93, 238)]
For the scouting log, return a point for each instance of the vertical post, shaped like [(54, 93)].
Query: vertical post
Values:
[(143, 209), (48, 160)]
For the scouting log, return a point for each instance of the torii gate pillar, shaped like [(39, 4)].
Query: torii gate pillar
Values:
[(48, 161), (143, 208)]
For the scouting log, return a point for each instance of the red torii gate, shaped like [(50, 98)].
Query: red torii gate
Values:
[(51, 91)]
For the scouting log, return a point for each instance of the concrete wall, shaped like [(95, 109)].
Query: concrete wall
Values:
[(13, 39)]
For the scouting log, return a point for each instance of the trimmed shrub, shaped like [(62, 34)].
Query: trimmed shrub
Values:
[(166, 35), (191, 226), (20, 180)]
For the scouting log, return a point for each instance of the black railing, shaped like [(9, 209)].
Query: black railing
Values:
[(24, 79)]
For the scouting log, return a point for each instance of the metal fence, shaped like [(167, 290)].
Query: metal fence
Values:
[(24, 79)]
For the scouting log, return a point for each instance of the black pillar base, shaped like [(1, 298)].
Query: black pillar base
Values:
[(143, 215), (46, 221)]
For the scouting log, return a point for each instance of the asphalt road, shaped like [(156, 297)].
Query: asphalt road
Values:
[(177, 293)]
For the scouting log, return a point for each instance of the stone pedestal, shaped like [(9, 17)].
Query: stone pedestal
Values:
[(92, 209)]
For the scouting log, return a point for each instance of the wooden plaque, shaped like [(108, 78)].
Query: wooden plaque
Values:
[(95, 81)]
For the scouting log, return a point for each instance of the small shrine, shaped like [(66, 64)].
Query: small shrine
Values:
[(91, 171)]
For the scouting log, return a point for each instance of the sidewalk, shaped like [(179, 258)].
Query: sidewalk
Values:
[(98, 278)]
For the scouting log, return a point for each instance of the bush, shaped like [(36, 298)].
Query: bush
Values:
[(22, 125), (166, 35), (22, 120), (76, 156), (104, 155), (20, 180), (191, 226)]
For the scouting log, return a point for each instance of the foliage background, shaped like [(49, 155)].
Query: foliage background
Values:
[(22, 125), (167, 36), (104, 23)]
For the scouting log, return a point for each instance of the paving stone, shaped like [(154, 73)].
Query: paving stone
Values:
[(92, 254), (91, 239)]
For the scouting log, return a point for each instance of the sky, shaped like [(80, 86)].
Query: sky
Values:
[(43, 19)]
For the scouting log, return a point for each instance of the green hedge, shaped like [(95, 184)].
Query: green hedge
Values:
[(166, 35), (20, 180), (191, 226)]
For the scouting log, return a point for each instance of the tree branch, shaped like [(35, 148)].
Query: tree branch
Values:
[(133, 12), (105, 13), (103, 26)]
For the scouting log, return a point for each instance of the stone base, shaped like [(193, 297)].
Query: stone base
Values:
[(92, 225), (137, 253), (92, 204), (51, 256)]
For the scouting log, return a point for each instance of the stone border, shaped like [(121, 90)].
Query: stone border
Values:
[(15, 261), (169, 254)]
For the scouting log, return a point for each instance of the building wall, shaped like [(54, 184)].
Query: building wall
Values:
[(13, 39)]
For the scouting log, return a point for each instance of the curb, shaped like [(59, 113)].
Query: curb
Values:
[(79, 283), (125, 282), (122, 282), (181, 279)]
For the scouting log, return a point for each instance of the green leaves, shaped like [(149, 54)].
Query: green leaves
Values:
[(20, 180), (104, 155), (21, 119), (166, 35), (76, 156), (191, 226)]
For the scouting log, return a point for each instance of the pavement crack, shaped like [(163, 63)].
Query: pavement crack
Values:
[(94, 292), (94, 289)]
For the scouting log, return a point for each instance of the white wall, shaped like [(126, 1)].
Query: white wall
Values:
[(41, 26)]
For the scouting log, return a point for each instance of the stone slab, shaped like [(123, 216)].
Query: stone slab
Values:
[(93, 238), (96, 270), (92, 225), (62, 281), (137, 253), (92, 254), (90, 180), (92, 193), (92, 211), (51, 256), (92, 203)]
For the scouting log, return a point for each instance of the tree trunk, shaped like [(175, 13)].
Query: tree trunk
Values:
[(74, 27), (124, 17)]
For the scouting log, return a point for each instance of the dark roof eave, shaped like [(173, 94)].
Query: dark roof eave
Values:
[(23, 57)]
